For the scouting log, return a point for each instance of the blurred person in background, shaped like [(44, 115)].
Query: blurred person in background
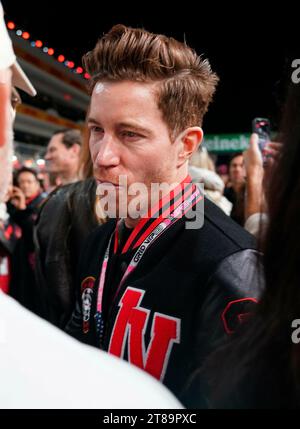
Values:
[(235, 190), (202, 170), (23, 208), (202, 159), (10, 232), (63, 153), (28, 191), (222, 171)]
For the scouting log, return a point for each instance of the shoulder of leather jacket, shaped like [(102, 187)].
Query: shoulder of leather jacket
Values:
[(230, 229), (68, 195), (240, 274)]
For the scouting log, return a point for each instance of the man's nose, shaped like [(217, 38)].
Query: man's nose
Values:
[(108, 154)]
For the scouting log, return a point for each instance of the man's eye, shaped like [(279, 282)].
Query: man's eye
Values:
[(96, 129), (131, 134)]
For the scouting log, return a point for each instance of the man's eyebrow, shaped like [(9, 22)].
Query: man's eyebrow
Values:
[(123, 125), (135, 126), (92, 121)]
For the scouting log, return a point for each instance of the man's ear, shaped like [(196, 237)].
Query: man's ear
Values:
[(190, 139), (76, 148)]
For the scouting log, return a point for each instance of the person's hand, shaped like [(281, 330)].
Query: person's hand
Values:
[(258, 173), (254, 161), (256, 168), (18, 198)]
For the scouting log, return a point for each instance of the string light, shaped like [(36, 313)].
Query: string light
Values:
[(50, 51), (11, 25)]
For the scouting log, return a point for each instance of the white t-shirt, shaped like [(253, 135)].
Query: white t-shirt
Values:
[(42, 367)]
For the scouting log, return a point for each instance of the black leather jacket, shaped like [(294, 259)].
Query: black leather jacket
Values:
[(65, 221)]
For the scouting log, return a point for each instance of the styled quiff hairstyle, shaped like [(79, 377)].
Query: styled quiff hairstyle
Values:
[(185, 81)]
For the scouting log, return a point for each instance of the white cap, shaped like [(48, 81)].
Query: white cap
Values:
[(8, 59)]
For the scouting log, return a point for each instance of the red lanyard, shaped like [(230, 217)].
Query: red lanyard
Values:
[(149, 237), (158, 212)]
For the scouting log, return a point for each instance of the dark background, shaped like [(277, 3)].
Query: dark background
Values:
[(251, 47)]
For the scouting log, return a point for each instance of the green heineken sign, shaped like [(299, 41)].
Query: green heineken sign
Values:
[(222, 143)]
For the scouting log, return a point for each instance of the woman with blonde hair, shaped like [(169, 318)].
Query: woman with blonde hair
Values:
[(202, 170)]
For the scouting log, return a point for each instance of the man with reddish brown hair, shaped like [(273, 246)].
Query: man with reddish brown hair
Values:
[(38, 361), (169, 275)]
